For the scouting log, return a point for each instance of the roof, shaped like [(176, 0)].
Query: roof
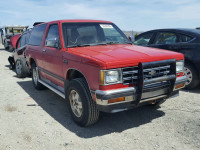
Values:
[(77, 20), (182, 30)]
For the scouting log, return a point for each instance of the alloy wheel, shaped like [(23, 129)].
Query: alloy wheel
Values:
[(18, 67), (35, 76), (75, 103), (188, 74)]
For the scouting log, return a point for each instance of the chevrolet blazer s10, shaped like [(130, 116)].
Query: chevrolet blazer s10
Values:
[(95, 67)]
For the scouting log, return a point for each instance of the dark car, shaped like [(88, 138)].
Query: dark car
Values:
[(18, 59), (186, 41)]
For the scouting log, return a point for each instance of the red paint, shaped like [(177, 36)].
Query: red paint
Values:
[(90, 60), (14, 39)]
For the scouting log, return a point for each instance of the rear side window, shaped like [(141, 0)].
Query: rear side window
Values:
[(166, 38), (23, 40), (144, 39), (37, 34), (186, 38)]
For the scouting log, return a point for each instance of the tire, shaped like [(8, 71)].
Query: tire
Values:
[(21, 69), (82, 107), (192, 77), (35, 77), (6, 47), (12, 63)]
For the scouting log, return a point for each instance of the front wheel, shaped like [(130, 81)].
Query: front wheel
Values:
[(82, 107), (192, 77)]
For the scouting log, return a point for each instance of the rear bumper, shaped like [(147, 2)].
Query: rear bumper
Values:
[(155, 93)]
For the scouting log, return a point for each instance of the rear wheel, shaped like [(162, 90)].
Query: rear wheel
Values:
[(35, 77), (82, 107), (21, 69), (192, 77)]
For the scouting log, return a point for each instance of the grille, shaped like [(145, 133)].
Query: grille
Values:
[(155, 72), (130, 74)]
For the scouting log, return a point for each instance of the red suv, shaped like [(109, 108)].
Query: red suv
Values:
[(94, 66)]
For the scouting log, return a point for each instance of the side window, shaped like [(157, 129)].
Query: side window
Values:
[(186, 38), (166, 38), (37, 34), (23, 40), (52, 36), (27, 37), (143, 39)]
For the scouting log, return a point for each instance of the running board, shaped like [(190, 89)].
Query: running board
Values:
[(52, 88)]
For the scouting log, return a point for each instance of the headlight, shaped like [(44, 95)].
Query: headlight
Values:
[(110, 76), (180, 66)]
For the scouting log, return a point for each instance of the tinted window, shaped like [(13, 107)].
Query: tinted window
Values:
[(166, 38), (18, 43), (36, 35), (186, 38), (23, 40), (143, 39), (27, 37)]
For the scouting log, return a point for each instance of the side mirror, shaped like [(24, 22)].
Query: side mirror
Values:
[(53, 42), (131, 38)]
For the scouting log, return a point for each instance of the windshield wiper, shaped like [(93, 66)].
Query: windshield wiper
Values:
[(82, 45), (98, 44), (79, 45), (111, 43)]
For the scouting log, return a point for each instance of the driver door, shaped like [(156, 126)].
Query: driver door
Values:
[(53, 57)]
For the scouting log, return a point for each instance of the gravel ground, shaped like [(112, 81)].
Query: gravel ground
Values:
[(31, 119)]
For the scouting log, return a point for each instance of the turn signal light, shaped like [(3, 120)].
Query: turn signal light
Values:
[(102, 77), (116, 100), (179, 86)]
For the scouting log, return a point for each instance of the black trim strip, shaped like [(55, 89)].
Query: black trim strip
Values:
[(51, 74)]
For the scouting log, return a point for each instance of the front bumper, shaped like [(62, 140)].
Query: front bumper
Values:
[(150, 94)]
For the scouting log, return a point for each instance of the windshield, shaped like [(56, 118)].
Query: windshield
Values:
[(91, 34)]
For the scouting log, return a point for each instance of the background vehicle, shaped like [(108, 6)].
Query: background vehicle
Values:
[(95, 67), (186, 41), (19, 57), (8, 32), (13, 40)]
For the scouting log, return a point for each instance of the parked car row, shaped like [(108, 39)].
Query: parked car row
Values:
[(96, 68), (8, 31), (18, 59), (185, 41)]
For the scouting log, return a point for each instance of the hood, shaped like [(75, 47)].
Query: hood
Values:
[(115, 56)]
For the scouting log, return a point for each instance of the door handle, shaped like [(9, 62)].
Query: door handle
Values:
[(64, 61), (44, 50)]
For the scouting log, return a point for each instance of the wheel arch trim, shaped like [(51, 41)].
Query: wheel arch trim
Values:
[(66, 78)]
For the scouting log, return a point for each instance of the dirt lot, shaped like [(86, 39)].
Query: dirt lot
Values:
[(31, 119)]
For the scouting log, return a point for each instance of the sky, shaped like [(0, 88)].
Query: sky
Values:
[(136, 15)]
